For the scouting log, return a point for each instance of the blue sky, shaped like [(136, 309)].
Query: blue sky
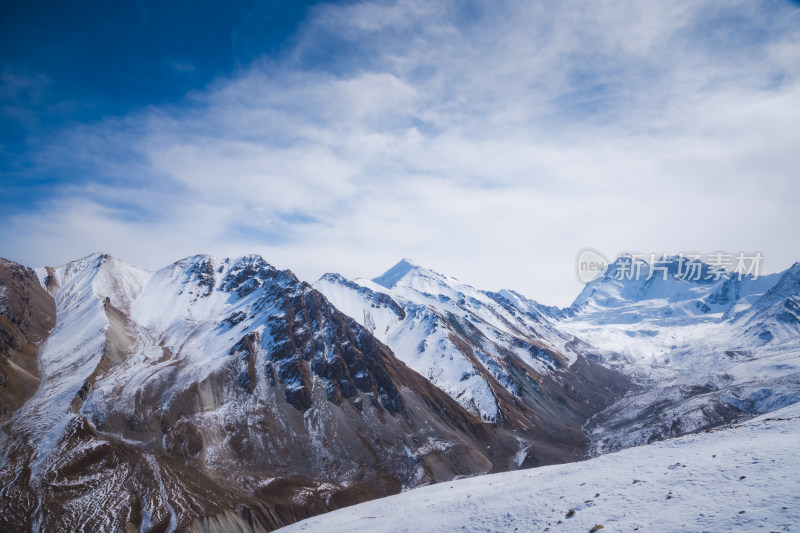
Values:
[(488, 140), (70, 63)]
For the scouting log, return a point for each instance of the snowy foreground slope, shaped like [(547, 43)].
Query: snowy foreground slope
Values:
[(742, 478)]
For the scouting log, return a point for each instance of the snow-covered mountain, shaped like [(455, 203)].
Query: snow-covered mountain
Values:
[(227, 395), (703, 351), (703, 346), (219, 394), (736, 479), (674, 291), (498, 354), (774, 317)]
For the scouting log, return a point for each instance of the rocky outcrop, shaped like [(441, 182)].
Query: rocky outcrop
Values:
[(27, 314)]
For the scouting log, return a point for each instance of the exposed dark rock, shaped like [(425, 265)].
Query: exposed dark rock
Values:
[(27, 315)]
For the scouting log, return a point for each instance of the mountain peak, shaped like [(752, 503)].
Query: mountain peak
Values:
[(390, 278), (788, 285)]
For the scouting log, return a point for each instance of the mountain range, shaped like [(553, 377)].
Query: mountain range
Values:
[(227, 395)]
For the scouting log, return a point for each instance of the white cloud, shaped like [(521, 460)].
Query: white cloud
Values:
[(491, 144)]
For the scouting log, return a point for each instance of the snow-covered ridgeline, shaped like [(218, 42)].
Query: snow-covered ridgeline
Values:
[(415, 310), (74, 348)]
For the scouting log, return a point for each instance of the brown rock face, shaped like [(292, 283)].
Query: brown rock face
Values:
[(27, 314)]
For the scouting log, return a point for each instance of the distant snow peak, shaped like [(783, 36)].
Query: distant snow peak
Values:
[(694, 268), (390, 278)]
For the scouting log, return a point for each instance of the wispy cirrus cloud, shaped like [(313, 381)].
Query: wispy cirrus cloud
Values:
[(490, 141)]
